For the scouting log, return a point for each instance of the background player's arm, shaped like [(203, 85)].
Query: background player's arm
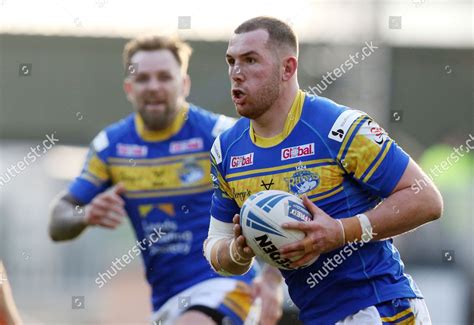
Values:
[(70, 217), (8, 311), (66, 221)]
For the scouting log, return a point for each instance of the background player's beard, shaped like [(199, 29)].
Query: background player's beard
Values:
[(157, 121), (262, 99)]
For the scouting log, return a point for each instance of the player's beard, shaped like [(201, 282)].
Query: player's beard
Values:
[(261, 100), (156, 121)]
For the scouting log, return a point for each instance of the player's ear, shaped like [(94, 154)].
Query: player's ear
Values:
[(290, 66), (127, 88), (186, 85)]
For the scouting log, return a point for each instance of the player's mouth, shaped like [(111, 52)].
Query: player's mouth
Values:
[(155, 104), (238, 96)]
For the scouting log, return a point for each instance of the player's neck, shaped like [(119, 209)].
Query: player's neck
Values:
[(272, 122)]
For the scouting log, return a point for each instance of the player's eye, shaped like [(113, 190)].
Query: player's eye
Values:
[(250, 60), (230, 61), (164, 77), (141, 78)]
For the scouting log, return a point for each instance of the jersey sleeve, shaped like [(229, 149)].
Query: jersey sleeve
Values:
[(222, 123), (370, 156), (223, 206), (95, 176)]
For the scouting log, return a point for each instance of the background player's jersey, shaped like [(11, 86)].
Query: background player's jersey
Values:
[(345, 163), (168, 190)]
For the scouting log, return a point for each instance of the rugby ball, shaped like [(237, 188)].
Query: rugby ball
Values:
[(261, 217)]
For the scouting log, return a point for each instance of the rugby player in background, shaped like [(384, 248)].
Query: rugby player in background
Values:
[(354, 179), (154, 167)]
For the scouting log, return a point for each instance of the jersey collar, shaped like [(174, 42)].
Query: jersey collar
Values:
[(292, 119), (164, 134)]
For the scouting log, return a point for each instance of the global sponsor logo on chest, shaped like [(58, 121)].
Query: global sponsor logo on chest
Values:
[(297, 151), (241, 161), (131, 150), (193, 144)]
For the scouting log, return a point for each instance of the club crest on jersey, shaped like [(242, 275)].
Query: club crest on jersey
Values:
[(302, 182), (241, 161), (297, 151), (190, 172), (131, 150), (193, 144)]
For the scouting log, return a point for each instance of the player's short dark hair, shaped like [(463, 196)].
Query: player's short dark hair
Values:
[(180, 50), (279, 32)]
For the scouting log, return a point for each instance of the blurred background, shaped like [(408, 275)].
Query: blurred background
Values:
[(61, 77)]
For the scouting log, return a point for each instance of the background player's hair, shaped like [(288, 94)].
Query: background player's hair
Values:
[(279, 32), (181, 51)]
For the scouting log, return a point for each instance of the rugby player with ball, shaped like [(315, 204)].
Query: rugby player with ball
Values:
[(354, 180)]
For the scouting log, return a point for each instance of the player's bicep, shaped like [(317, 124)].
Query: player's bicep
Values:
[(411, 175)]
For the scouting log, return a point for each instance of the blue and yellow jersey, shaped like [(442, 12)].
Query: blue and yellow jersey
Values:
[(168, 190), (346, 164)]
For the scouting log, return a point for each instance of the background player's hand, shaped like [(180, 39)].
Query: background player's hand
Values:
[(106, 209), (240, 243), (271, 294), (323, 234)]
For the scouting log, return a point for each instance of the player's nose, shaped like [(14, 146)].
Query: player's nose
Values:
[(154, 84), (236, 73)]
